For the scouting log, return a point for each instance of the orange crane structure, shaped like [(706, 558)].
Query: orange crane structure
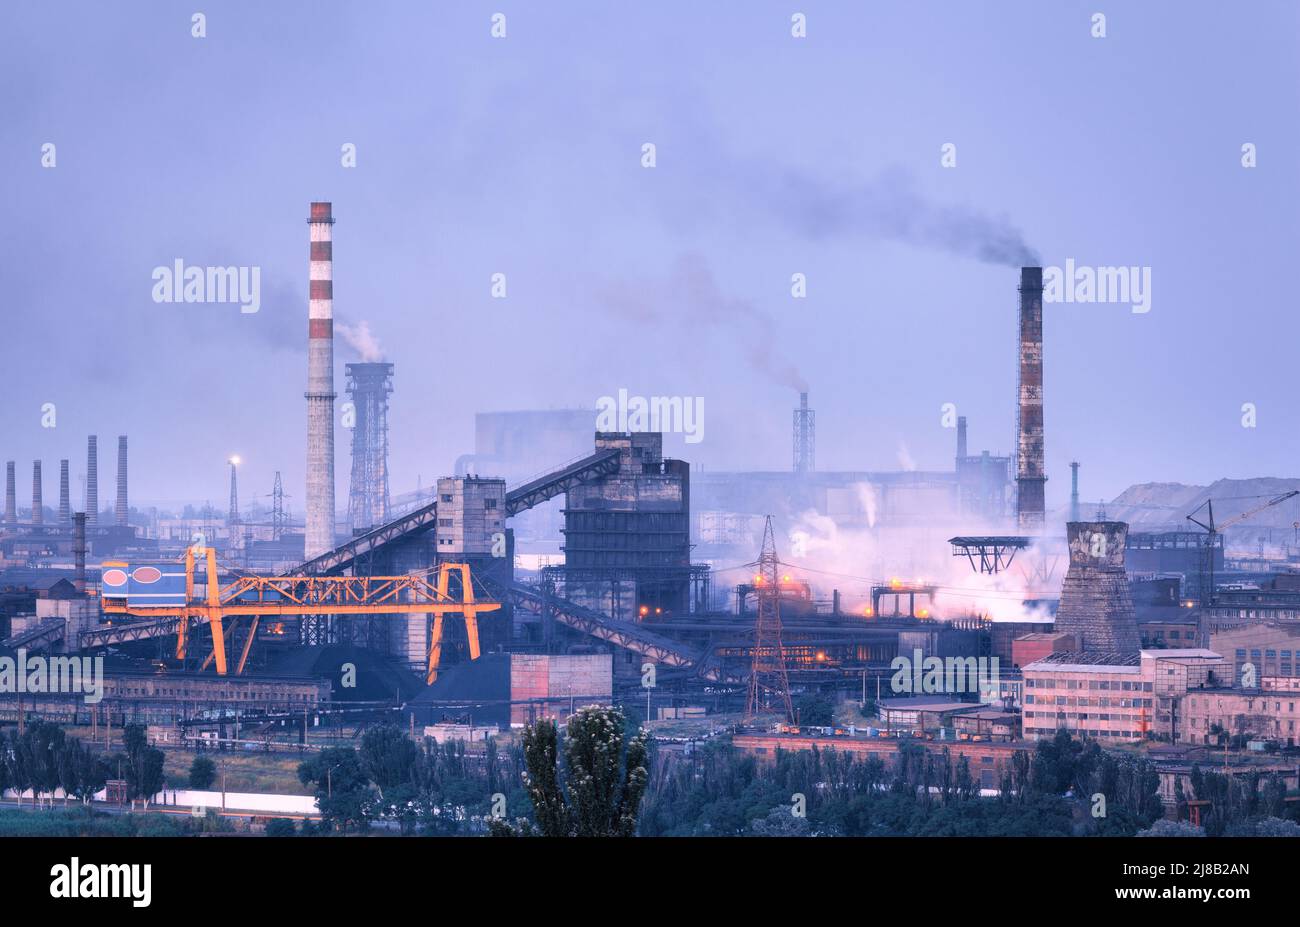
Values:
[(257, 597)]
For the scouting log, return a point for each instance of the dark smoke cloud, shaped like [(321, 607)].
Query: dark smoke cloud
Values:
[(888, 208), (691, 296)]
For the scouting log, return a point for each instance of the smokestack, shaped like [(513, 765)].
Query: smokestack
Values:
[(805, 436), (79, 551), (320, 384), (119, 511), (1074, 490), (65, 505), (1030, 474), (11, 495), (38, 504), (92, 481), (961, 437)]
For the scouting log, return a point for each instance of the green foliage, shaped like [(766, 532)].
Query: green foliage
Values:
[(343, 792), (203, 772), (280, 827), (1166, 828), (143, 764), (599, 791), (388, 756), (781, 822), (815, 710)]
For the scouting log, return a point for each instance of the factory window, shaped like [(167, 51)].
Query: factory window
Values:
[(444, 522), (489, 503), (446, 498)]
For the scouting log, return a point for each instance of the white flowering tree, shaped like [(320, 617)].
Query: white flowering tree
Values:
[(604, 775)]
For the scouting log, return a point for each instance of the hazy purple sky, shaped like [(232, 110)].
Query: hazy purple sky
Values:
[(775, 155)]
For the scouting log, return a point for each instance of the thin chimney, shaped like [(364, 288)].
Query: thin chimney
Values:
[(38, 503), (65, 505), (79, 551), (120, 510), (1030, 475), (320, 383), (11, 495), (92, 481)]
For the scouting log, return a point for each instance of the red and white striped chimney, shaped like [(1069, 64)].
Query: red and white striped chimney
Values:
[(320, 384)]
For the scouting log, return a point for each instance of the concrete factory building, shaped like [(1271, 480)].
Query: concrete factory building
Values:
[(627, 540), (1116, 697)]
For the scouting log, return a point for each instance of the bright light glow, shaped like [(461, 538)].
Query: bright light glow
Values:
[(235, 460)]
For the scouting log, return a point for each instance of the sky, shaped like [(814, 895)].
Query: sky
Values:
[(774, 155)]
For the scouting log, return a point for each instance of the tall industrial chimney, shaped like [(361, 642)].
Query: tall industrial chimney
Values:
[(79, 550), (320, 384), (119, 510), (961, 438), (38, 503), (805, 436), (1030, 471), (11, 495), (65, 504), (1074, 490), (92, 481)]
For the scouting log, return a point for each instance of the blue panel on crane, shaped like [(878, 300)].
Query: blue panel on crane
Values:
[(156, 584)]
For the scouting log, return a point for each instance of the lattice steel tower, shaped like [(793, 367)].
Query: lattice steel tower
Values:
[(368, 387), (769, 682), (805, 436)]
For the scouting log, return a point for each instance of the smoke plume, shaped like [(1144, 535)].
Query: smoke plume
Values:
[(360, 339), (889, 208), (691, 296)]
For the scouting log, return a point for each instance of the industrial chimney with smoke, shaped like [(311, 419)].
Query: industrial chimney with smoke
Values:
[(805, 436), (1030, 469), (369, 385), (120, 509), (320, 384), (92, 481)]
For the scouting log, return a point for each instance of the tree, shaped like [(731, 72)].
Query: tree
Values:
[(280, 827), (144, 764), (82, 772), (781, 822), (1166, 828), (203, 772), (388, 756), (603, 781), (815, 710), (342, 790)]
